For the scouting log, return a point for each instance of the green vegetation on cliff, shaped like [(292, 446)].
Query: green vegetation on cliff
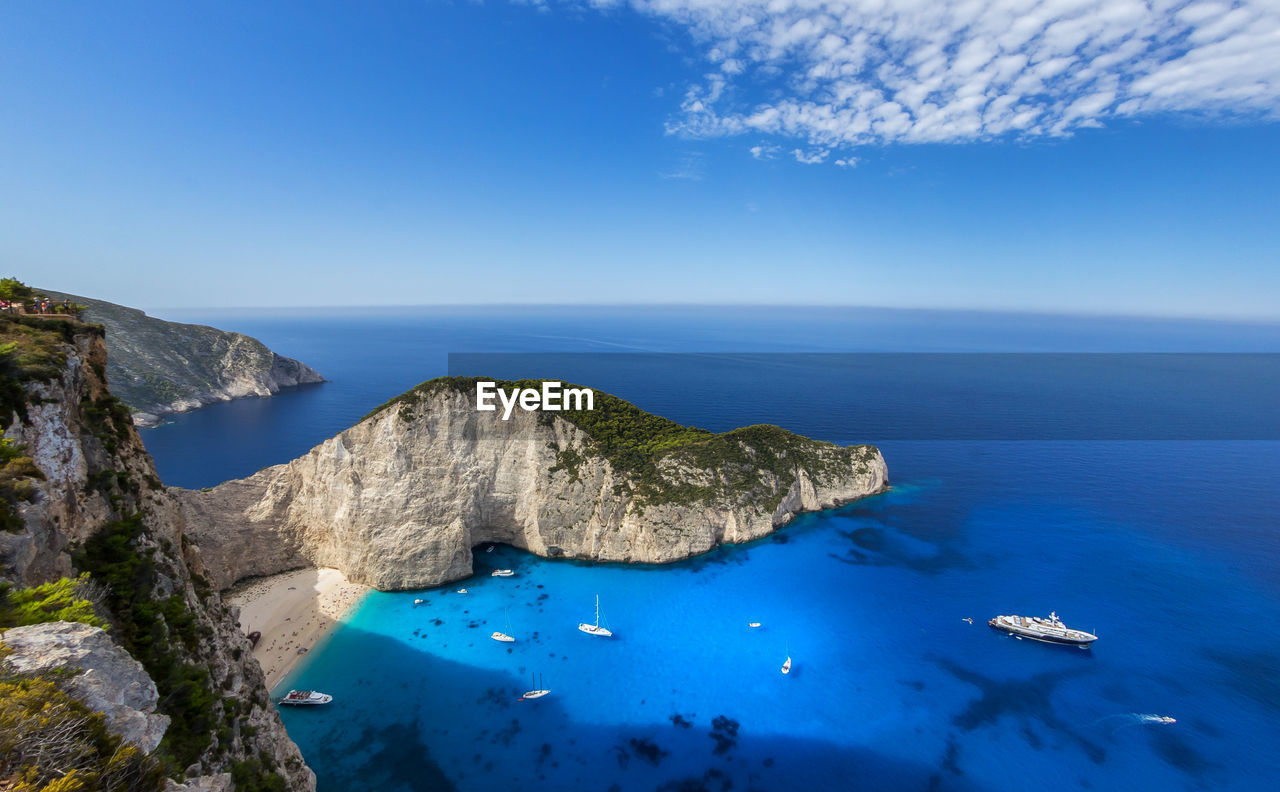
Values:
[(59, 600), (50, 742), (642, 446), (153, 629)]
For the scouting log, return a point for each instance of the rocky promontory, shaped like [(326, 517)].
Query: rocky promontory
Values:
[(399, 500), (81, 506), (159, 368), (97, 672)]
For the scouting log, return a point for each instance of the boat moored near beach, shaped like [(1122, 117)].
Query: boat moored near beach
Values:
[(1048, 630), (305, 698)]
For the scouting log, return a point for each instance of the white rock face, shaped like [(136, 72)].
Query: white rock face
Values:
[(219, 782), (109, 680), (399, 500)]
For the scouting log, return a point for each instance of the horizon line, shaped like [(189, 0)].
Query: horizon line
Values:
[(1058, 312)]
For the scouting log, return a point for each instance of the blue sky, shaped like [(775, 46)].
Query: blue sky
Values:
[(1044, 155)]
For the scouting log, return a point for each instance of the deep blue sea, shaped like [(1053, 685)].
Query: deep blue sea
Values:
[(1136, 494)]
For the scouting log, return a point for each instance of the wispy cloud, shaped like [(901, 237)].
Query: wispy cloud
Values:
[(689, 168), (855, 72)]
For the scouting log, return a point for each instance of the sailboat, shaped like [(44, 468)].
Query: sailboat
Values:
[(538, 692), (595, 629), (505, 637), (786, 665)]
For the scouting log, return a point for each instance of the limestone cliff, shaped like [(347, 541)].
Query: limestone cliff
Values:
[(100, 674), (80, 494), (399, 500), (159, 368)]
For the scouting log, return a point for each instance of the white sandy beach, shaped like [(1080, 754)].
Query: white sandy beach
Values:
[(293, 611)]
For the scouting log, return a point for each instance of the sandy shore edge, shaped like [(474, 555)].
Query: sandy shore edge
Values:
[(293, 611)]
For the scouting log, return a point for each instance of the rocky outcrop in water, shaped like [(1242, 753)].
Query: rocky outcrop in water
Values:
[(99, 673), (159, 368), (399, 500)]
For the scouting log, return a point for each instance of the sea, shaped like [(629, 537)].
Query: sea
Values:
[(1119, 471)]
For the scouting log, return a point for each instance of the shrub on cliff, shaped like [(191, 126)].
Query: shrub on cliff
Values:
[(18, 473), (155, 631), (61, 600), (50, 742)]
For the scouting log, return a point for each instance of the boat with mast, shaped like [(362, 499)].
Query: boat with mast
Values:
[(786, 664), (505, 637), (595, 629), (540, 689)]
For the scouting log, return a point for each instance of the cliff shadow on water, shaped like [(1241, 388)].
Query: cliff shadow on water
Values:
[(407, 720)]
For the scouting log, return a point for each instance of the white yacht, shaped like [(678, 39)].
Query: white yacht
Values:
[(538, 692), (1048, 630), (504, 637), (305, 698), (595, 629), (501, 573)]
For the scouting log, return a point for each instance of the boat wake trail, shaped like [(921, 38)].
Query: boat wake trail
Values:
[(1127, 719)]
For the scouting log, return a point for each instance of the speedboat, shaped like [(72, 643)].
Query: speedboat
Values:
[(753, 624), (419, 601), (462, 591), (1048, 630), (305, 698), (501, 573)]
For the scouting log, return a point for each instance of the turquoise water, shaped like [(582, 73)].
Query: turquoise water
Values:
[(1167, 549), (890, 688)]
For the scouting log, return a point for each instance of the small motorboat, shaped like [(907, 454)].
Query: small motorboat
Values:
[(753, 624), (501, 573), (967, 619), (1156, 719), (462, 591), (419, 602), (305, 698), (489, 549), (786, 665)]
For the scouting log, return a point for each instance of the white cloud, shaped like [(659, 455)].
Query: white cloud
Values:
[(811, 157), (842, 73)]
